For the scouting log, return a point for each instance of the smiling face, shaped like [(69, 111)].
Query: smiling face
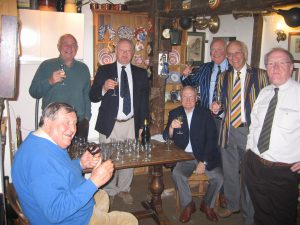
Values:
[(236, 54), (217, 51), (124, 52), (67, 47), (61, 128), (188, 98), (279, 67)]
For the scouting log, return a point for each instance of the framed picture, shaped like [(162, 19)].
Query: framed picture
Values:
[(195, 48), (226, 39), (294, 45), (296, 74)]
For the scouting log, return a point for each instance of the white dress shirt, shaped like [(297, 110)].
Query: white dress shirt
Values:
[(285, 136), (121, 115), (189, 116)]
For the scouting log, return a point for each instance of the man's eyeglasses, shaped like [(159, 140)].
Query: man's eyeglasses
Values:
[(231, 55), (280, 64)]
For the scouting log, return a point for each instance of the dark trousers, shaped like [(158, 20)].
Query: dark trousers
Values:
[(82, 129), (273, 191)]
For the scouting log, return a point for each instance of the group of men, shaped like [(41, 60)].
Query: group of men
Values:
[(262, 184), (222, 135)]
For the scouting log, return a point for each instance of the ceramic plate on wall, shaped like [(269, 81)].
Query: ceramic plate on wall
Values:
[(174, 57), (125, 32), (105, 57)]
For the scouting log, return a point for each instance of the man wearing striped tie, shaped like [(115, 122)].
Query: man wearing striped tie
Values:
[(272, 164), (239, 89)]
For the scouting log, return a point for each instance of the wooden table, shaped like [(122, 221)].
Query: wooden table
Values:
[(160, 156)]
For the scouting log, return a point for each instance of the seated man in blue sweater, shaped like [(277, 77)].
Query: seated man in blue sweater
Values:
[(194, 130), (50, 185)]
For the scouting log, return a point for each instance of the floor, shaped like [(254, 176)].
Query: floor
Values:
[(139, 193)]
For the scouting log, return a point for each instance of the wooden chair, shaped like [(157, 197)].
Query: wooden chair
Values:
[(198, 185), (12, 199)]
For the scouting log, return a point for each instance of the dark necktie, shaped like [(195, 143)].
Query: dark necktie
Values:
[(125, 94), (265, 134), (219, 72)]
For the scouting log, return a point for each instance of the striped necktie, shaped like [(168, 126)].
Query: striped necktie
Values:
[(236, 118), (265, 134)]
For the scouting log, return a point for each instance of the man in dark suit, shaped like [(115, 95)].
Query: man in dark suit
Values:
[(196, 134), (205, 80), (239, 89), (123, 108)]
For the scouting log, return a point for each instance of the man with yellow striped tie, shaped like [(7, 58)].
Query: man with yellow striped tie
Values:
[(238, 89)]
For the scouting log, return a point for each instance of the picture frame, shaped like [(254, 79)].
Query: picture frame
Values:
[(296, 75), (294, 45), (195, 47)]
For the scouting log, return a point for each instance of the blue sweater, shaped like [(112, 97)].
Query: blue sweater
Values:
[(50, 185)]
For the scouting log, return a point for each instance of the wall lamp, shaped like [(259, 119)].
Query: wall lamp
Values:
[(281, 35)]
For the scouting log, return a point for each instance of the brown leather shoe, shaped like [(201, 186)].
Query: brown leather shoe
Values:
[(185, 215), (222, 201), (209, 212), (227, 213)]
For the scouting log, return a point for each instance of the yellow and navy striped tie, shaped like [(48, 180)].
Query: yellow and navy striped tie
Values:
[(236, 118)]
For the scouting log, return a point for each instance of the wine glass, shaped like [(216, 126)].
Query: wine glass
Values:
[(219, 101), (116, 86), (180, 119), (62, 68)]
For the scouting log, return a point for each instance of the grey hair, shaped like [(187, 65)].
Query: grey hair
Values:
[(52, 109), (242, 45), (188, 88), (288, 54), (217, 40), (60, 40), (121, 40)]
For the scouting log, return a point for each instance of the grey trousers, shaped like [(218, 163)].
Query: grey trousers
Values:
[(121, 179), (180, 175), (235, 188)]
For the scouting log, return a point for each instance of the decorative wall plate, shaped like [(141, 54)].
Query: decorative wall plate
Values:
[(106, 28), (105, 57), (138, 59), (140, 34), (174, 57), (125, 32), (174, 77)]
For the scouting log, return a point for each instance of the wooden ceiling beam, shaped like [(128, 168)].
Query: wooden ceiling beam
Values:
[(200, 7)]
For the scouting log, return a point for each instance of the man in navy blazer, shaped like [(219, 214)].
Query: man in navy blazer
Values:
[(197, 134), (124, 106)]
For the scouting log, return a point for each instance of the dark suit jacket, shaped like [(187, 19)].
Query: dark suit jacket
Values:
[(109, 104), (202, 132)]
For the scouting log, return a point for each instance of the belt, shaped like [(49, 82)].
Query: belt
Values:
[(121, 121), (272, 164), (243, 125)]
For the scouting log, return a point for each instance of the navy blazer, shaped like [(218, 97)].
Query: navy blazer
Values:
[(108, 109), (202, 132)]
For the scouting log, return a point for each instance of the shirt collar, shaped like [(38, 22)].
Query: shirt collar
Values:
[(224, 65), (41, 133)]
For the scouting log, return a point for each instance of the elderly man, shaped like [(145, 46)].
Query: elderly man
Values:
[(50, 185), (272, 164), (196, 133), (239, 89), (205, 78), (65, 79), (207, 75), (124, 106)]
